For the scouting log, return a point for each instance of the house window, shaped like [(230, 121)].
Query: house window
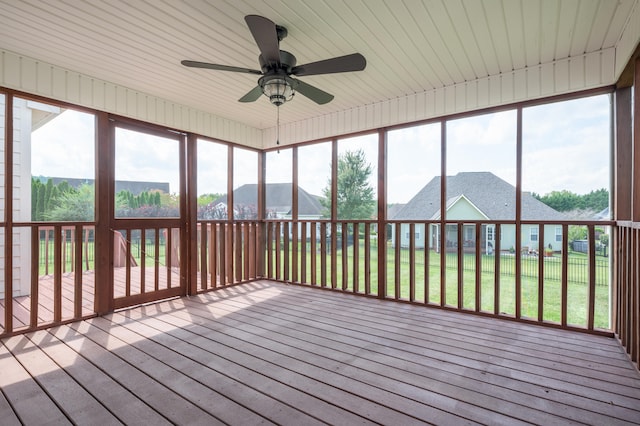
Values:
[(490, 233), (558, 233), (406, 235), (469, 233), (417, 235), (533, 236)]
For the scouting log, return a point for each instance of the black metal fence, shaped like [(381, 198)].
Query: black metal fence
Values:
[(577, 266)]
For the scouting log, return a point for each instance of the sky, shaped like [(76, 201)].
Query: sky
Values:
[(565, 147)]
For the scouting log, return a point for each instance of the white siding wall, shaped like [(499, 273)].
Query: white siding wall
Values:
[(22, 119), (577, 73), (32, 76), (21, 199)]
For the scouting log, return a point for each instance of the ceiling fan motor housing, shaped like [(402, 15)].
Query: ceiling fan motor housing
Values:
[(287, 62)]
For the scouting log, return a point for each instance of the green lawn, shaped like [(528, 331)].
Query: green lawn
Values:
[(577, 288), (46, 263)]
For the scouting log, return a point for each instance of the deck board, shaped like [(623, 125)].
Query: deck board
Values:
[(270, 353), (463, 379)]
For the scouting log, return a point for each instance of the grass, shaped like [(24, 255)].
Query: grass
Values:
[(577, 287), (46, 264)]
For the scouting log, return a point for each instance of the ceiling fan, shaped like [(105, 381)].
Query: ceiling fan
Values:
[(279, 66)]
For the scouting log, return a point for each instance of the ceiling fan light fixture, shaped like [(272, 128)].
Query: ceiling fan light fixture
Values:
[(279, 89)]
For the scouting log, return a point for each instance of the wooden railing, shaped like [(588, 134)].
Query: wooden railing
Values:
[(50, 280), (626, 295), (565, 289), (568, 289), (146, 261), (228, 253)]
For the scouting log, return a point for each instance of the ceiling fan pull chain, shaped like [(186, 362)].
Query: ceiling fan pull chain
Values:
[(278, 127)]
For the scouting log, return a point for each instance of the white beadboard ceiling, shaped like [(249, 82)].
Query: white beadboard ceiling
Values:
[(411, 46)]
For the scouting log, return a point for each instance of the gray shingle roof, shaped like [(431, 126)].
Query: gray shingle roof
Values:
[(278, 198), (494, 197)]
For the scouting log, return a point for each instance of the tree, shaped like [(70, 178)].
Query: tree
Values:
[(597, 200), (206, 199), (73, 205), (355, 196), (561, 201), (45, 196), (564, 201)]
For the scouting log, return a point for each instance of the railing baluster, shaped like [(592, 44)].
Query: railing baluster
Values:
[(313, 253), (270, 249), (143, 260), (323, 254), (223, 253), (230, 253), (367, 258), (203, 255), (127, 239), (460, 252), (496, 270), (46, 249), (213, 254), (156, 259), (591, 238), (294, 251), (251, 250), (541, 274), (334, 255), (345, 256), (57, 274), (356, 257), (238, 252), (478, 276), (35, 278), (77, 294), (427, 266), (412, 262), (396, 264), (303, 252), (286, 242), (278, 250)]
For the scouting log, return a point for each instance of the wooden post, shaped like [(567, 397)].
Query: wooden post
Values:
[(189, 242), (382, 213), (443, 213), (103, 237), (294, 216), (518, 258)]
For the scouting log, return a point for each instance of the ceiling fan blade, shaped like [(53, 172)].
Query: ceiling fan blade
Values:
[(195, 64), (347, 63), (316, 95), (252, 96), (266, 36)]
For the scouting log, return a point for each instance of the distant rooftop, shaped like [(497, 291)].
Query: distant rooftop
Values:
[(136, 188), (492, 196), (278, 198)]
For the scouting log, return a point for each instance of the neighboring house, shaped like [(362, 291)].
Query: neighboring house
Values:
[(278, 199), (478, 196)]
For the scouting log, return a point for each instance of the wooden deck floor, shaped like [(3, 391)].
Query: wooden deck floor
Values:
[(265, 352)]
